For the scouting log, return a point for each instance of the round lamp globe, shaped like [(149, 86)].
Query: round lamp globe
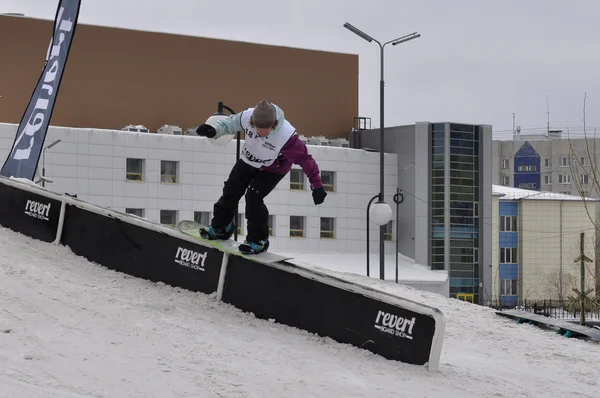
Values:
[(380, 213)]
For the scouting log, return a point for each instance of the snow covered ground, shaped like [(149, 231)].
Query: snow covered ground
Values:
[(70, 328), (409, 272)]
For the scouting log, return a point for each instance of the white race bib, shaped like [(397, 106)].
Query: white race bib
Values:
[(263, 151)]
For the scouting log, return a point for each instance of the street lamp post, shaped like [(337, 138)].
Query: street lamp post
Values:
[(381, 202), (368, 225), (44, 161)]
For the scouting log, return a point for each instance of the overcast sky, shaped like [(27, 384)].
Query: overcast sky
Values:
[(476, 61)]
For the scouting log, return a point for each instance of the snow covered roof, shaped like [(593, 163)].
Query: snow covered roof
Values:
[(510, 193)]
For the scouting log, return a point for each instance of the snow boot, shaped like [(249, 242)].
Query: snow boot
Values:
[(211, 233), (254, 247)]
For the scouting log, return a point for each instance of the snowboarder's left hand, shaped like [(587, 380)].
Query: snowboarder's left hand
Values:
[(319, 195), (206, 130)]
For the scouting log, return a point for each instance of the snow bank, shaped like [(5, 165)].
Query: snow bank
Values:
[(70, 328)]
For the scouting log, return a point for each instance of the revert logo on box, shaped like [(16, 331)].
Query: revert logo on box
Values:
[(38, 210), (191, 259), (395, 325)]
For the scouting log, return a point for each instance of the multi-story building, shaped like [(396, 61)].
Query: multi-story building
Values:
[(444, 172), (547, 163), (168, 178), (537, 235)]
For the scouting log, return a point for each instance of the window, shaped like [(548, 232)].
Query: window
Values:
[(387, 233), (328, 227), (508, 255), (585, 179), (527, 168), (296, 227), (297, 180), (505, 163), (527, 185), (564, 178), (475, 209), (476, 255), (328, 178), (202, 217), (134, 170), (584, 161), (135, 212), (505, 180), (508, 287), (271, 222), (564, 162), (548, 162), (240, 223), (548, 180), (508, 223), (168, 171), (168, 217)]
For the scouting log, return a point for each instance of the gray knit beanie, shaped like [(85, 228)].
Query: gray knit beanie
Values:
[(264, 115)]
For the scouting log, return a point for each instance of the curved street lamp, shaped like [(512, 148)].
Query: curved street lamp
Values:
[(43, 178), (381, 203)]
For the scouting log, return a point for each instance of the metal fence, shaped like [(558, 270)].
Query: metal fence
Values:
[(551, 308)]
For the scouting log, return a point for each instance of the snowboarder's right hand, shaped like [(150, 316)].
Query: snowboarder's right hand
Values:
[(319, 195), (206, 130)]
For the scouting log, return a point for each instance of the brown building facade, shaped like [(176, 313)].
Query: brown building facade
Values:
[(117, 77)]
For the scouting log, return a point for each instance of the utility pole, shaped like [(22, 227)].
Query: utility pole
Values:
[(582, 294), (548, 111), (514, 129)]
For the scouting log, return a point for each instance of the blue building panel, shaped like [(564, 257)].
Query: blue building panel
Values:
[(509, 208), (509, 301), (527, 165), (526, 151), (509, 239), (509, 271)]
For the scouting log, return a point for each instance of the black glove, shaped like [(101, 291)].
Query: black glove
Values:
[(206, 130), (319, 195)]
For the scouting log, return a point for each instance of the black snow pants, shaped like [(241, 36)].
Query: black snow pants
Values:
[(258, 185)]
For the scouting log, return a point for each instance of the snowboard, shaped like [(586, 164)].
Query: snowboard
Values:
[(192, 229)]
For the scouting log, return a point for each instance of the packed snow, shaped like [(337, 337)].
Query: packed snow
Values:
[(408, 269), (70, 328)]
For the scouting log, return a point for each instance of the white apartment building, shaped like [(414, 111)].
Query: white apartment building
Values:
[(548, 162), (168, 178)]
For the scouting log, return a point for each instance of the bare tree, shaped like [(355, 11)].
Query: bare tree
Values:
[(555, 289), (582, 177)]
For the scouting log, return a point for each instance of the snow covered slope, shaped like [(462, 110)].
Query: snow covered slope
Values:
[(70, 328)]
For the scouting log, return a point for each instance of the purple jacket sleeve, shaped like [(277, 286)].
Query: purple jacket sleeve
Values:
[(296, 151)]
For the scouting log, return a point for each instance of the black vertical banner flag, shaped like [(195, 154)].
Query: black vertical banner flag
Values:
[(31, 133)]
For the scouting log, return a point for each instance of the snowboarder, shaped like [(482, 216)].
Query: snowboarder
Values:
[(271, 147)]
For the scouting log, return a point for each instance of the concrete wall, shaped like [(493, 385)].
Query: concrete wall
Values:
[(421, 171), (549, 242), (116, 77), (91, 163), (411, 143)]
